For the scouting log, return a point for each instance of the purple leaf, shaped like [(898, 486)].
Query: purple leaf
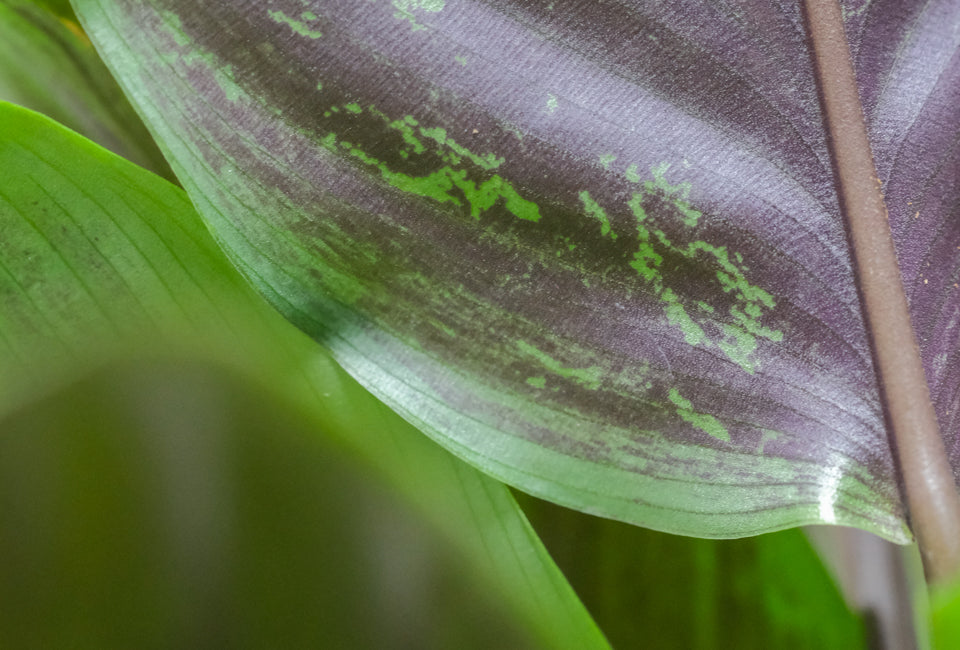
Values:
[(593, 248), (910, 85)]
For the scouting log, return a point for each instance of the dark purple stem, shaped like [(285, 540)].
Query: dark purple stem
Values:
[(929, 487)]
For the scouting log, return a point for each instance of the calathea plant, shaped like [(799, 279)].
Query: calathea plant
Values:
[(643, 260)]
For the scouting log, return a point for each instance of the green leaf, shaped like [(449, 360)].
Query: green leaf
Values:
[(48, 64), (944, 606), (102, 260)]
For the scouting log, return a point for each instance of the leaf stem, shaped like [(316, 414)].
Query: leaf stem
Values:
[(931, 493)]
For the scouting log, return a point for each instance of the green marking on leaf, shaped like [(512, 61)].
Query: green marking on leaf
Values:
[(462, 60), (537, 382), (738, 346), (516, 204), (446, 184), (645, 261), (677, 315), (677, 194), (173, 26), (738, 341), (439, 135), (703, 421), (407, 132), (405, 9), (484, 196), (594, 210), (769, 435), (298, 26), (607, 159), (587, 377), (551, 103), (636, 206)]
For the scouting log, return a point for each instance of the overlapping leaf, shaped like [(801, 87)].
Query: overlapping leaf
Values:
[(103, 261), (594, 248), (233, 470), (47, 64)]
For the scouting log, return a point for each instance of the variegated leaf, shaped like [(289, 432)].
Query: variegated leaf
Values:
[(594, 248)]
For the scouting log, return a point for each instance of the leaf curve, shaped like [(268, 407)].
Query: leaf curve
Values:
[(104, 263), (594, 250)]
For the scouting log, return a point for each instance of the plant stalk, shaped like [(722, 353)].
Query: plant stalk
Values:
[(929, 488)]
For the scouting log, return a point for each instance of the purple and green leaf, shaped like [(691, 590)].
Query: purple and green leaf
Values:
[(594, 249)]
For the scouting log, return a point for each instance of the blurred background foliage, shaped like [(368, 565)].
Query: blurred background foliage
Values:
[(169, 504), (770, 591)]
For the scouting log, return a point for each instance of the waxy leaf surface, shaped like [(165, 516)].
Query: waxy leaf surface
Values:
[(593, 248)]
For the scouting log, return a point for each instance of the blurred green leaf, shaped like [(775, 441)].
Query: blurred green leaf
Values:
[(945, 616), (48, 64), (170, 505), (101, 260), (59, 8), (653, 590)]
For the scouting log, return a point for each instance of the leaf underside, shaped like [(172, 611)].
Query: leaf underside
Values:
[(596, 250)]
